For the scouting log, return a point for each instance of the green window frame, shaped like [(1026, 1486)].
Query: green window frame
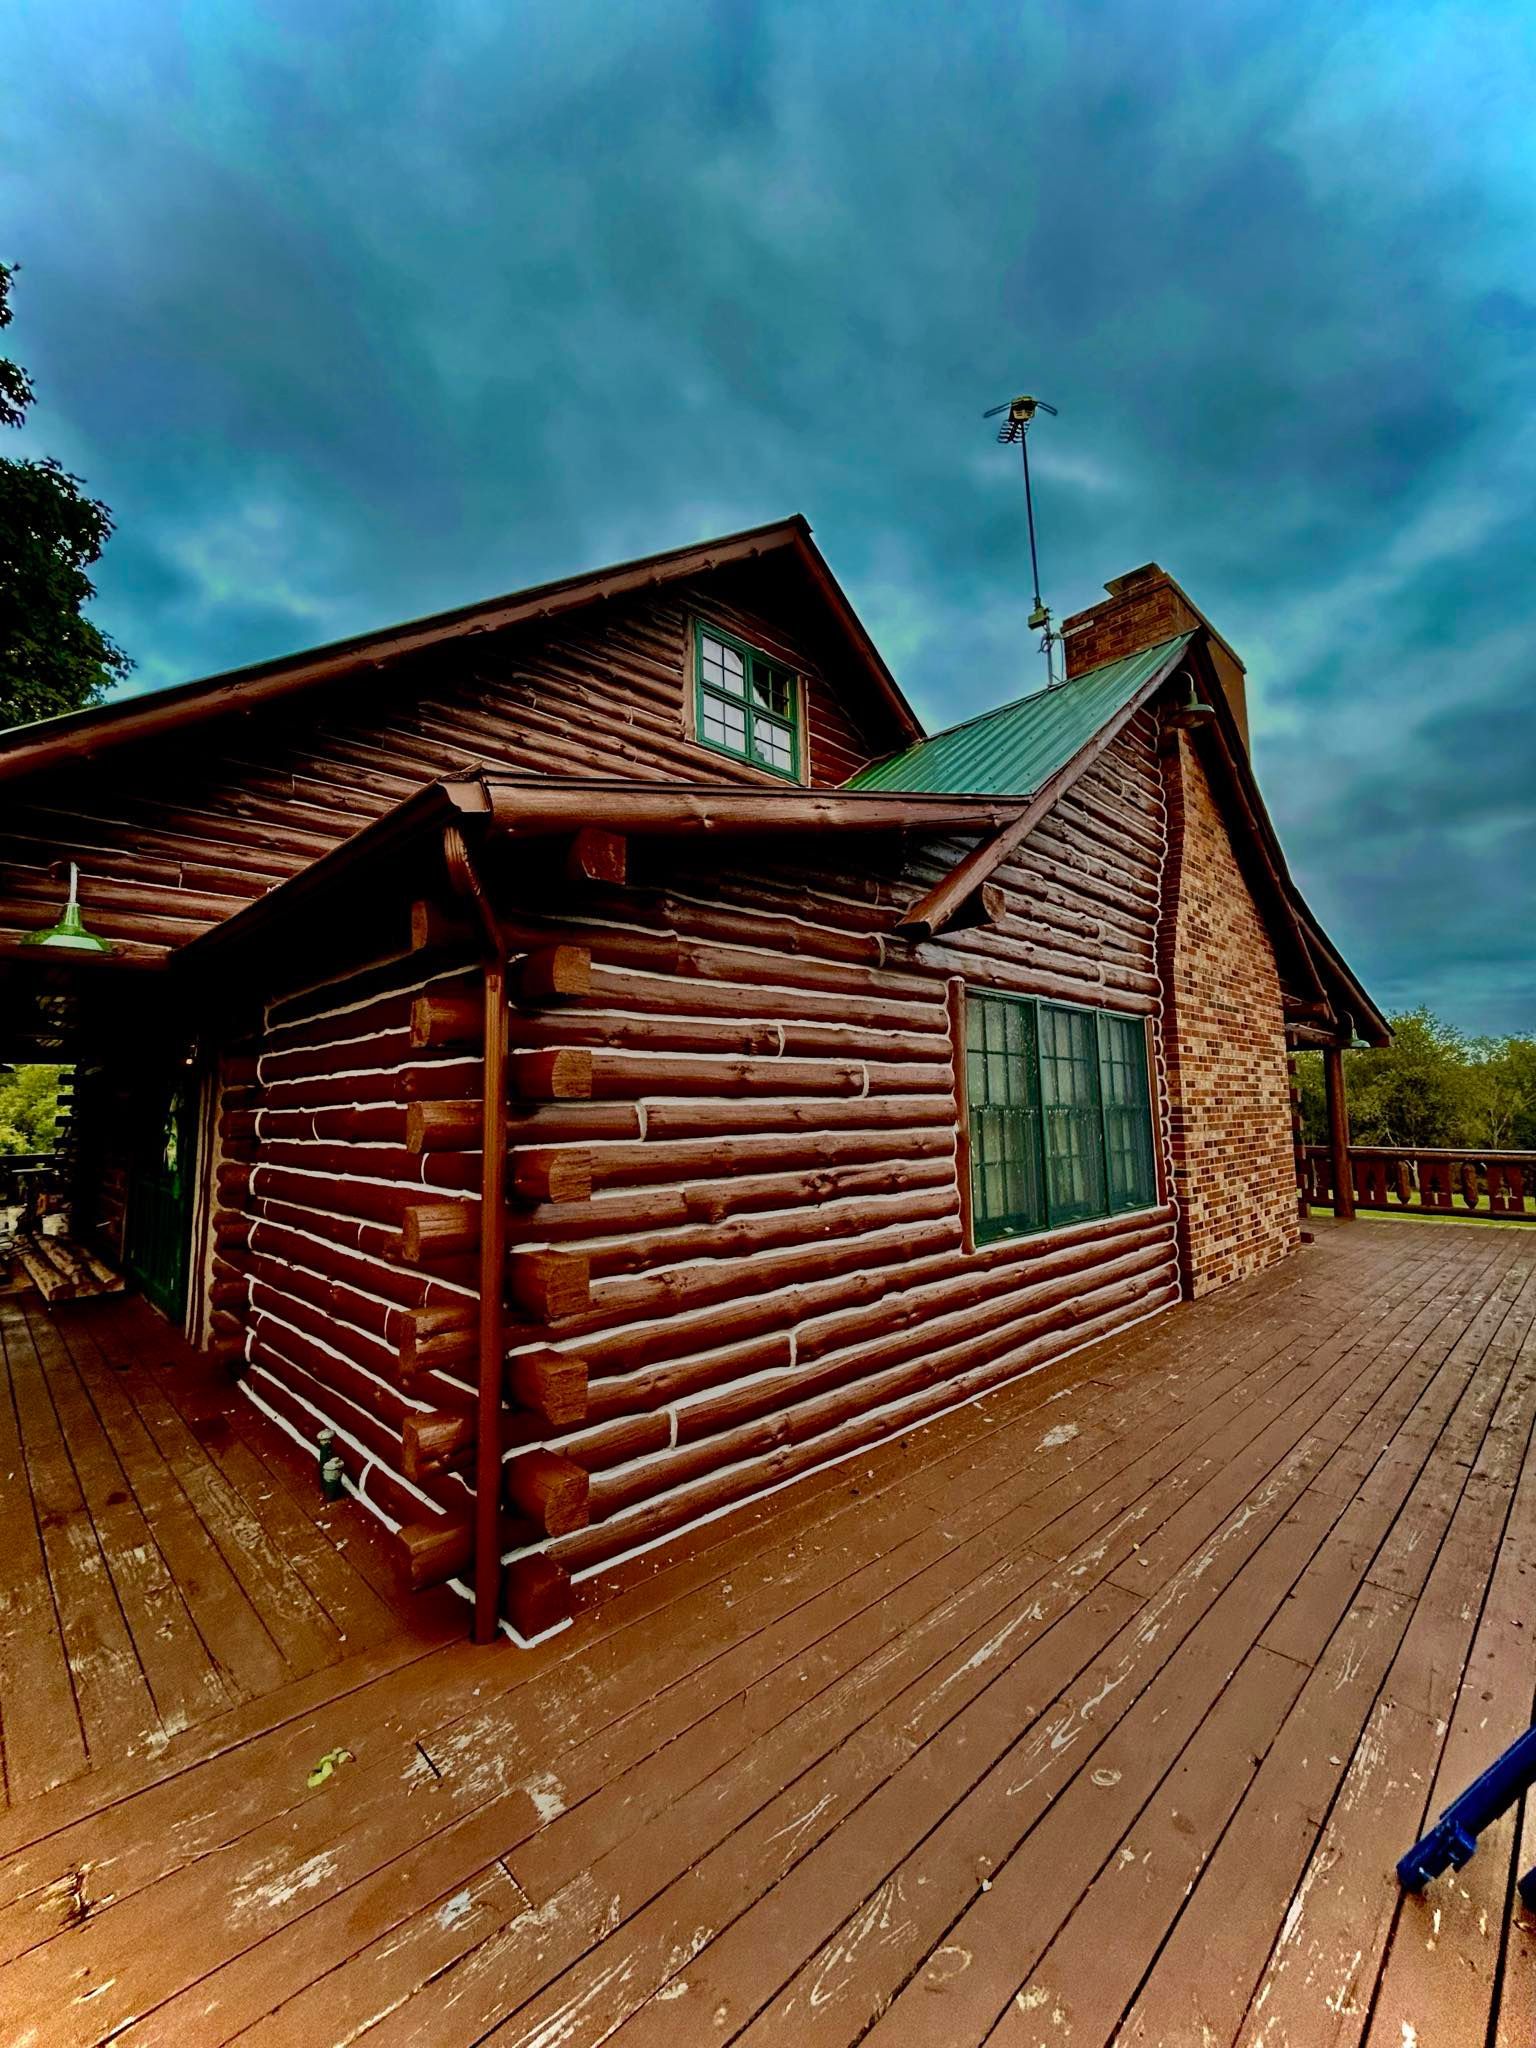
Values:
[(745, 703), (1059, 1114)]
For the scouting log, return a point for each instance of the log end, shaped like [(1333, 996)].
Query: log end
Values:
[(552, 1384), (598, 856), (436, 1551), (537, 1595), (550, 1285), (434, 1441), (552, 1490), (555, 974)]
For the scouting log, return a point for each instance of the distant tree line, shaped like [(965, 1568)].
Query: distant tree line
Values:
[(1433, 1085)]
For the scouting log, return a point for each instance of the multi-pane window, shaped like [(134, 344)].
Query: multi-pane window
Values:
[(1059, 1113), (1003, 1082), (1127, 1121), (1074, 1126), (748, 705)]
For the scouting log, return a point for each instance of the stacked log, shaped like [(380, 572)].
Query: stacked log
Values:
[(358, 1252), (775, 1265), (176, 836)]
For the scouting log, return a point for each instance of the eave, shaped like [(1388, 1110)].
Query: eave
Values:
[(84, 735), (532, 809)]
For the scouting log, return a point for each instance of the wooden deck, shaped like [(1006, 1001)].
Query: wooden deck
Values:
[(165, 1554), (1096, 1712)]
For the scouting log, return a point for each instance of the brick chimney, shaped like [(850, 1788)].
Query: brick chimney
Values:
[(1142, 608)]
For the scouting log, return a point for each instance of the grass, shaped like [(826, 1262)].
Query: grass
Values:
[(1415, 1212)]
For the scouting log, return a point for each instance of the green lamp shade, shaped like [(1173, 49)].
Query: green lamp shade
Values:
[(69, 935)]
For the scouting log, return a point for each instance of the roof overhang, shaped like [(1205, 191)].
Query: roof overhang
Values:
[(534, 809), (83, 735)]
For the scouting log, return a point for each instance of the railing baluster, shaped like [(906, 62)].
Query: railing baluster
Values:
[(1443, 1179)]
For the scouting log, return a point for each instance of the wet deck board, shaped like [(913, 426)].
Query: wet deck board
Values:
[(1097, 1712)]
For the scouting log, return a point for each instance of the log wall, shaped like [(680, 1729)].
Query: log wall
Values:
[(178, 834), (736, 1248), (318, 1196), (777, 1270)]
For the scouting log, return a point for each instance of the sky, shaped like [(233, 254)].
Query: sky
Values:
[(353, 311)]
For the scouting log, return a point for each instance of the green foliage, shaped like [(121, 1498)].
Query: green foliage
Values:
[(29, 1108), (1431, 1086), (52, 659)]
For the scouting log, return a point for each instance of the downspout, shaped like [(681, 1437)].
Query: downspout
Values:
[(466, 879)]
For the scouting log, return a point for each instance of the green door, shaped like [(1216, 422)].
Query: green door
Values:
[(159, 1233)]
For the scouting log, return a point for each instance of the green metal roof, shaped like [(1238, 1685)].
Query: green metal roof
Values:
[(1013, 750)]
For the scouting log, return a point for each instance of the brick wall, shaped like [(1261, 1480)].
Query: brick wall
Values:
[(1143, 608), (1230, 1116)]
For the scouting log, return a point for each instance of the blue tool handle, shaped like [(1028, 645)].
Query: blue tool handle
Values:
[(1452, 1841)]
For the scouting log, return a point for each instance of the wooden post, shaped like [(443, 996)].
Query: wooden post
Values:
[(493, 1258), (465, 877), (1338, 1134), (1298, 1140)]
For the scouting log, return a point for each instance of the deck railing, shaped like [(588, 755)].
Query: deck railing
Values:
[(1428, 1179)]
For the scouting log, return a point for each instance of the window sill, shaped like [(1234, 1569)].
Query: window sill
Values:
[(1051, 1233)]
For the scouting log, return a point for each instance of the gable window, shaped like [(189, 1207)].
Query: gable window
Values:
[(1059, 1113), (746, 704)]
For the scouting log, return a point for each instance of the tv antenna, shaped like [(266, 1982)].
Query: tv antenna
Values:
[(1021, 413)]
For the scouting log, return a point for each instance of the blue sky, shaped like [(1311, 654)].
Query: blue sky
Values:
[(355, 311)]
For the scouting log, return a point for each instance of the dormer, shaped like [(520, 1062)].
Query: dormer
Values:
[(746, 703), (778, 677)]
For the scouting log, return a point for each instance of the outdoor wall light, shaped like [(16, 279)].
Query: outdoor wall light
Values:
[(69, 935)]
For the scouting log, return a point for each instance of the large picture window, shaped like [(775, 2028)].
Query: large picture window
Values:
[(1059, 1112), (746, 704)]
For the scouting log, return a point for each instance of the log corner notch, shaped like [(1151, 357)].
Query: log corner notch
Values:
[(533, 1593)]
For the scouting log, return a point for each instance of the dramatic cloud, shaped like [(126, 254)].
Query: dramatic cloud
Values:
[(352, 312)]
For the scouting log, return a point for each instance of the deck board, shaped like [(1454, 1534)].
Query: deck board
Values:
[(1095, 1712)]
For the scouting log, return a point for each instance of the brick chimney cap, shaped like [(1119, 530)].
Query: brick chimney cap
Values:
[(1134, 579)]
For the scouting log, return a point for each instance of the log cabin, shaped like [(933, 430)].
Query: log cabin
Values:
[(596, 1057)]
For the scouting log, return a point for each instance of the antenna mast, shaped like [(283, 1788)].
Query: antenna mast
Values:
[(1021, 413)]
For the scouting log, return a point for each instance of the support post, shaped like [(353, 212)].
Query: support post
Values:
[(493, 1259), (465, 877), (1338, 1133)]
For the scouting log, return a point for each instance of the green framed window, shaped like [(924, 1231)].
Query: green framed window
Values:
[(1003, 1085), (1073, 1119), (744, 703), (1059, 1113), (1131, 1173)]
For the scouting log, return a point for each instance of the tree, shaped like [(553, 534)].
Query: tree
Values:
[(29, 1108), (52, 658), (1502, 1088), (1431, 1086), (1414, 1091)]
